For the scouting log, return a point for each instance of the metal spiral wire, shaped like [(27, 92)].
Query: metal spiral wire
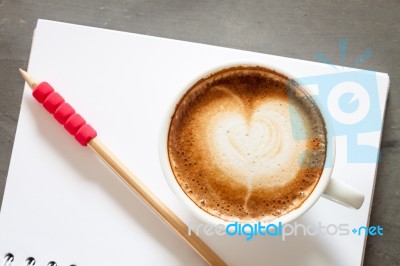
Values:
[(8, 259), (30, 261)]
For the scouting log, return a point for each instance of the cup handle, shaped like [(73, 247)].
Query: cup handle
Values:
[(344, 194)]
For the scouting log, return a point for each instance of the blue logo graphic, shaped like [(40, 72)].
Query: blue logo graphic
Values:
[(251, 230), (350, 102), (368, 231)]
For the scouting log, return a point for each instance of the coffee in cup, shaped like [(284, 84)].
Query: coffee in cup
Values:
[(247, 144)]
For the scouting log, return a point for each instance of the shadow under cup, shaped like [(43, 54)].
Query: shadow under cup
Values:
[(246, 143)]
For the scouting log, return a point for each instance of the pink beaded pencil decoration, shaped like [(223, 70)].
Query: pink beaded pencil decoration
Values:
[(85, 134)]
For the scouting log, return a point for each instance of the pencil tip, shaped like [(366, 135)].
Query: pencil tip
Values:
[(31, 81)]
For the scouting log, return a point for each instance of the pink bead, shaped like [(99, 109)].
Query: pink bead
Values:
[(85, 134), (41, 91), (73, 123), (63, 112), (52, 102)]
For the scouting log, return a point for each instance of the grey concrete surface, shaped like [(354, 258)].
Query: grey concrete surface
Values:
[(296, 29)]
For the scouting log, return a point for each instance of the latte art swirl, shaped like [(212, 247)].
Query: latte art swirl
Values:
[(232, 146), (258, 147)]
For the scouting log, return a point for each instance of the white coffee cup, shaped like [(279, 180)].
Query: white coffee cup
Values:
[(327, 186)]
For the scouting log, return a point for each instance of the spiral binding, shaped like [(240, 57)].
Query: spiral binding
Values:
[(30, 261), (8, 258)]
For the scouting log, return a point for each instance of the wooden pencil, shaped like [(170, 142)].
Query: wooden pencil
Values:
[(151, 200)]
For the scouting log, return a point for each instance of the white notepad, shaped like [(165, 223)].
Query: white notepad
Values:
[(62, 204)]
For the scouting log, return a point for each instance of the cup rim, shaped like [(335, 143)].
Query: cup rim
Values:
[(209, 218)]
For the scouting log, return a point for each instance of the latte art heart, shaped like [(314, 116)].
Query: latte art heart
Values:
[(232, 147), (256, 149)]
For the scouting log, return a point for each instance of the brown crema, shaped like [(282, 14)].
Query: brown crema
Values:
[(247, 144)]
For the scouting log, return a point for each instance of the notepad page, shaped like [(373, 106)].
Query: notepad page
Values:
[(63, 204)]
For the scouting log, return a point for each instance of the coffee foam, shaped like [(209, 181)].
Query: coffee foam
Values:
[(232, 149), (255, 148)]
